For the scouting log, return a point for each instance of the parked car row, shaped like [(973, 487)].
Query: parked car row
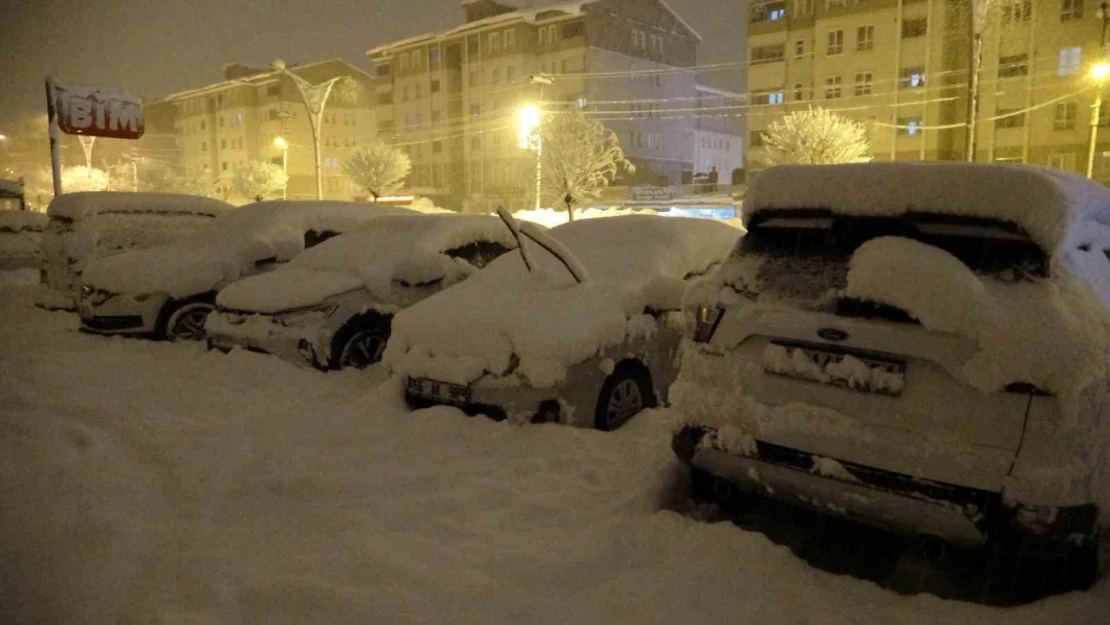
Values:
[(918, 347)]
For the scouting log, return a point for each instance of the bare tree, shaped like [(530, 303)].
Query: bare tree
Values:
[(580, 157), (257, 180), (379, 168), (815, 137)]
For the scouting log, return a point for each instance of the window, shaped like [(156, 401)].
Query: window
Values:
[(798, 91), (510, 73), (912, 77), (418, 91), (1071, 10), (865, 38), (775, 97), (863, 83), (767, 54), (433, 57), (494, 42), (404, 62), (223, 144), (547, 35), (1015, 65), (803, 8), (755, 139), (416, 56), (915, 28), (472, 45), (495, 76), (405, 94), (223, 166), (1065, 162), (1065, 116), (1069, 61), (799, 48), (768, 11), (204, 125), (574, 29), (382, 70), (909, 126), (1017, 10), (383, 98), (273, 90), (767, 97), (832, 87), (475, 110), (203, 146), (1011, 120), (434, 86), (509, 39), (836, 43)]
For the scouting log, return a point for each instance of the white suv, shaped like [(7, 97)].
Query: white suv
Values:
[(920, 347)]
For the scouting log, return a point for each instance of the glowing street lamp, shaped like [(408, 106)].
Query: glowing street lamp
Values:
[(1099, 73), (283, 145), (528, 123)]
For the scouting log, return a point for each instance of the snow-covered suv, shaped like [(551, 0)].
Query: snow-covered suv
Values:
[(920, 347)]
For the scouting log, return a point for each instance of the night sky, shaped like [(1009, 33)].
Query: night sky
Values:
[(156, 47)]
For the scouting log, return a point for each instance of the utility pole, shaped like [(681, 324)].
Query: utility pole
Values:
[(314, 97)]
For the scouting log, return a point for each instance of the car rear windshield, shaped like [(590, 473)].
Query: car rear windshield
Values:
[(805, 254)]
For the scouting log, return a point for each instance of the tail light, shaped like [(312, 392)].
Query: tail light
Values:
[(706, 320)]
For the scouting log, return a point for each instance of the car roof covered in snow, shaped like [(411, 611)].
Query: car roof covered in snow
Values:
[(301, 215), (17, 221), (85, 204), (1046, 203), (394, 239)]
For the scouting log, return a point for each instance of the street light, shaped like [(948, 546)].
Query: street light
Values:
[(314, 97), (283, 145), (1099, 73), (528, 122)]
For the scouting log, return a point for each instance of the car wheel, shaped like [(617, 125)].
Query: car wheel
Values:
[(362, 348), (623, 395), (186, 323)]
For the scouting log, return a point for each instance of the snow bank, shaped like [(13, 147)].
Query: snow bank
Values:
[(229, 247), (1052, 333), (397, 247), (1046, 203), (545, 318), (21, 221), (85, 204)]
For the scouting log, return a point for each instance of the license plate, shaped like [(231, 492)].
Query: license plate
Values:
[(443, 392), (853, 371)]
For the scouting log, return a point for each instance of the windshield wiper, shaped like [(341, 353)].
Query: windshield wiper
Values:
[(558, 250)]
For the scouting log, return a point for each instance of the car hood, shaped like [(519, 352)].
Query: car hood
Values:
[(176, 270), (286, 288)]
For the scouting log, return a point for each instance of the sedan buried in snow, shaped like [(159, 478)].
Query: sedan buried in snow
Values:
[(332, 306), (579, 328), (168, 291)]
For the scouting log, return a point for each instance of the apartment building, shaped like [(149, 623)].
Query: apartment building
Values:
[(451, 99), (901, 67), (719, 133), (221, 126)]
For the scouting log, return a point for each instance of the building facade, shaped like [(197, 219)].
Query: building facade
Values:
[(224, 125), (901, 67), (451, 99), (719, 135)]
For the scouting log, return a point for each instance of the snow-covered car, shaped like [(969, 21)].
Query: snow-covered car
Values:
[(332, 306), (168, 291), (21, 239), (87, 226), (580, 329), (920, 347)]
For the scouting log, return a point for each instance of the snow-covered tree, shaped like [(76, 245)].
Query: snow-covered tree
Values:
[(257, 180), (159, 178), (580, 157), (379, 168), (815, 137), (77, 179)]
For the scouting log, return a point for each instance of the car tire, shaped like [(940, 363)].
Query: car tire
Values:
[(185, 321), (358, 346), (625, 393)]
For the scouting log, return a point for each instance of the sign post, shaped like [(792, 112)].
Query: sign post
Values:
[(89, 112)]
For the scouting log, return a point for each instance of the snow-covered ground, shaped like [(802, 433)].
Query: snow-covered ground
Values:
[(157, 483)]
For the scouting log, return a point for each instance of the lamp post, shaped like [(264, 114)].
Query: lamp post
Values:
[(281, 143), (314, 97), (528, 122), (1099, 73)]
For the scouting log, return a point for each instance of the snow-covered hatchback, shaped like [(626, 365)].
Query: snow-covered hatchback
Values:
[(920, 347)]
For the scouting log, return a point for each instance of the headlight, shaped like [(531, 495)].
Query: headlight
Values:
[(705, 322), (305, 316)]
